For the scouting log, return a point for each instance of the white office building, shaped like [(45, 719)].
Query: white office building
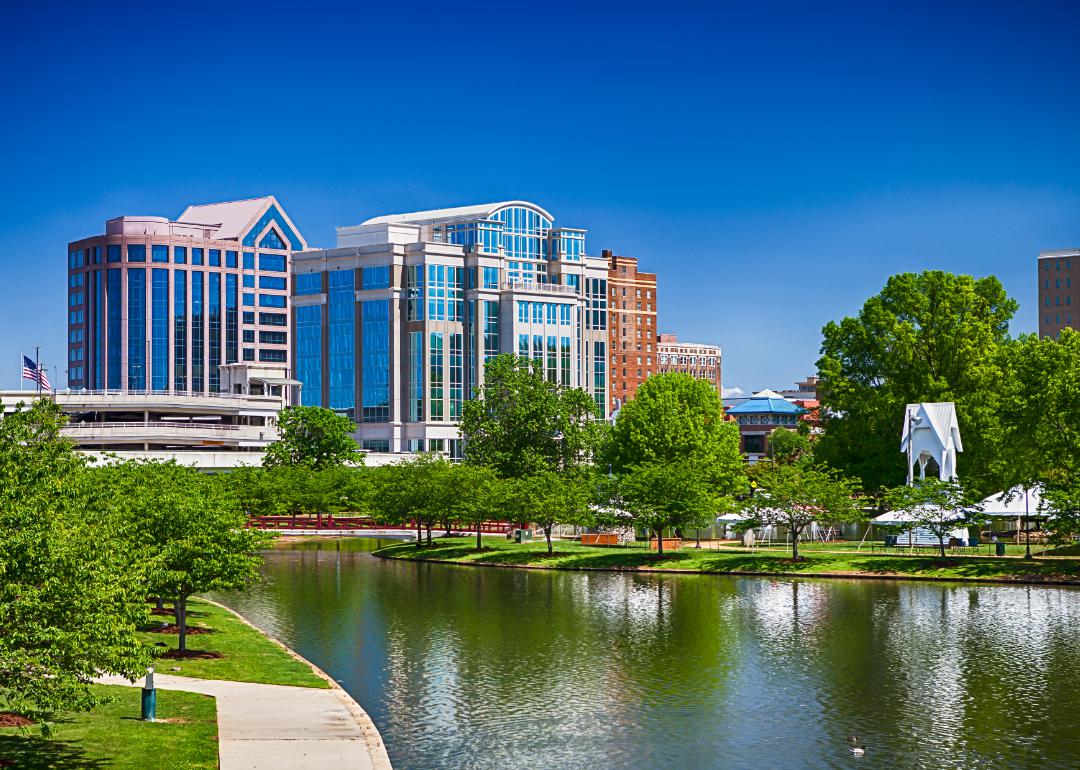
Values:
[(393, 327)]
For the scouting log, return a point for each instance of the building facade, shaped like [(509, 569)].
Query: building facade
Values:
[(160, 306), (393, 327), (631, 327), (760, 415), (1058, 296), (694, 358)]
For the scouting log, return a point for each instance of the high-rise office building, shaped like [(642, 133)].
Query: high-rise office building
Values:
[(393, 327), (631, 327), (160, 305), (694, 358), (1056, 291)]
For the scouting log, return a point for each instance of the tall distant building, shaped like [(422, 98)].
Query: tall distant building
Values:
[(631, 327), (394, 326), (1056, 291), (700, 360), (160, 305)]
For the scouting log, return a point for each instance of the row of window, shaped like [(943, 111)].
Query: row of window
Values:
[(687, 360), (1057, 319), (1057, 283), (767, 419), (1057, 264), (541, 312), (1057, 301), (160, 253)]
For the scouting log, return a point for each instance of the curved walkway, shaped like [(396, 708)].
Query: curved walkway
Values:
[(276, 727)]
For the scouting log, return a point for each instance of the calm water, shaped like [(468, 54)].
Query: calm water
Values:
[(484, 668)]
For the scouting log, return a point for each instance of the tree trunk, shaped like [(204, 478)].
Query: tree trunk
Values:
[(660, 543), (479, 543), (547, 534), (419, 535), (795, 543), (429, 534), (160, 603), (181, 622), (941, 546)]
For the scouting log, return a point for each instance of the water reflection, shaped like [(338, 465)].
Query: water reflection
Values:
[(489, 668)]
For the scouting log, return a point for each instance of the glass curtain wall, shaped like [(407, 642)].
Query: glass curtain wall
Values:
[(159, 328), (232, 321), (136, 308), (213, 308), (375, 371), (114, 299), (180, 340), (342, 338), (309, 353), (416, 376), (436, 374)]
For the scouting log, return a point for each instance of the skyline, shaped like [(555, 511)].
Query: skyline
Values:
[(911, 149)]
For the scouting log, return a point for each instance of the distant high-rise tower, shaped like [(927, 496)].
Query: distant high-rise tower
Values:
[(157, 305), (631, 327)]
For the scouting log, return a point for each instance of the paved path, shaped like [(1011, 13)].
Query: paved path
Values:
[(275, 727)]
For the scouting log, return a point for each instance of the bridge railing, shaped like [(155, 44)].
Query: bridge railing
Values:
[(330, 521)]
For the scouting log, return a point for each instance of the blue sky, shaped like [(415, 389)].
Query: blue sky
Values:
[(774, 163)]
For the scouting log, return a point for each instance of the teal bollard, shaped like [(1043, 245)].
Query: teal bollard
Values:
[(149, 697)]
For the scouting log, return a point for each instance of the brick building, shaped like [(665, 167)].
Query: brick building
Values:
[(631, 327), (700, 360), (1056, 291)]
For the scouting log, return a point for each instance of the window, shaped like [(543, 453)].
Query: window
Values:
[(248, 335), (271, 240), (213, 334), (215, 258), (159, 328), (249, 260), (198, 325), (112, 253), (249, 317), (308, 283), (273, 263), (271, 355), (341, 337), (249, 354), (272, 282), (232, 327), (249, 281), (275, 319), (196, 256), (491, 278), (249, 299), (136, 253), (415, 293), (159, 253), (375, 277), (435, 372), (179, 255), (230, 258), (375, 366), (416, 376), (136, 308), (309, 353), (272, 300)]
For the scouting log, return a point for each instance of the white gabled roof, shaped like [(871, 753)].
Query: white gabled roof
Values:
[(939, 417), (231, 218), (482, 211)]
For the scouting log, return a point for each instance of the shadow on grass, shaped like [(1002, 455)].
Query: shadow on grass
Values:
[(724, 562), (30, 752)]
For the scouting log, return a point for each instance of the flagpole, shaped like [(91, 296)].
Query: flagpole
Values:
[(37, 363), (22, 363)]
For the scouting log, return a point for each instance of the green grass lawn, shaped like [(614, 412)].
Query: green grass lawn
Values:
[(112, 736), (571, 555), (247, 654)]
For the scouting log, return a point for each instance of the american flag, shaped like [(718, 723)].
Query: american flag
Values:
[(31, 371)]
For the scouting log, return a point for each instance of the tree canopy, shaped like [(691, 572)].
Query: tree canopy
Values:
[(314, 437), (521, 423), (659, 496), (932, 336)]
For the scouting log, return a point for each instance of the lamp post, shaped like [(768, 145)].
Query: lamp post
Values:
[(1027, 529), (149, 697)]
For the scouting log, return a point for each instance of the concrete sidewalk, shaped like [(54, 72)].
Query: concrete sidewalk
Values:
[(275, 727)]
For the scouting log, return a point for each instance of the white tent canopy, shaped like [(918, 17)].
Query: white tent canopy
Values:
[(1015, 503), (893, 518)]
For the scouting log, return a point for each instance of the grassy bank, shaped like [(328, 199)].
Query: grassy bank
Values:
[(111, 736), (816, 561), (247, 655)]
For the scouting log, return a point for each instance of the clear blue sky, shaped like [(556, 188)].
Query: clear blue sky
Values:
[(773, 163)]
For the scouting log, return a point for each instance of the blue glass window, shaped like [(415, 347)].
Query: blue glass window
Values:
[(376, 277), (136, 308), (273, 338), (232, 320), (491, 330), (271, 355), (213, 333), (272, 300), (114, 339), (230, 259), (159, 329), (112, 253), (273, 215), (309, 354), (308, 283), (180, 330), (341, 339), (215, 257), (249, 260), (136, 252), (272, 263), (457, 376), (249, 354), (272, 282), (491, 278), (159, 253), (249, 281), (271, 240), (415, 291), (416, 376), (249, 299), (99, 333), (375, 367), (273, 319), (435, 372), (199, 328), (179, 255), (196, 256)]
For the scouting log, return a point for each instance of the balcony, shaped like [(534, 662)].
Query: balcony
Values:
[(169, 432)]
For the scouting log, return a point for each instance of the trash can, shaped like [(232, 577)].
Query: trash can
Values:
[(999, 549), (521, 535)]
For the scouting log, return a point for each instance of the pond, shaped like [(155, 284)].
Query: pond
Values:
[(464, 667)]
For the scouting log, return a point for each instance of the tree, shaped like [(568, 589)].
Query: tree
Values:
[(796, 495), (940, 506), (788, 446), (930, 337), (70, 597), (676, 418), (664, 495), (470, 494), (193, 530), (548, 498), (416, 490), (521, 423), (314, 437)]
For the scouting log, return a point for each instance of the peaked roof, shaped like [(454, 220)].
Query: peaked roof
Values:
[(232, 218), (760, 404), (940, 417), (481, 211)]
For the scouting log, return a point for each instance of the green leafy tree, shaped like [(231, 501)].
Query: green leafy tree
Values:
[(788, 446), (548, 498), (193, 529), (798, 494), (664, 495), (521, 423), (314, 437), (71, 597), (416, 491), (471, 495), (676, 418), (940, 506), (929, 337)]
